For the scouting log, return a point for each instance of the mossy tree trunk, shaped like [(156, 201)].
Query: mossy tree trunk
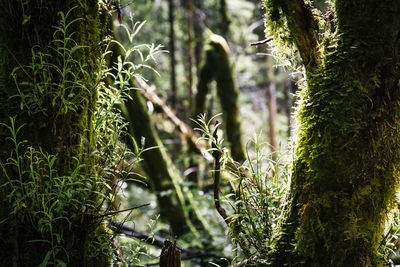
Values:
[(347, 154), (225, 21), (217, 66), (156, 163), (58, 118)]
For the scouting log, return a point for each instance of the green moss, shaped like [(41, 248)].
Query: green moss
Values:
[(156, 164), (57, 126), (345, 173), (217, 66)]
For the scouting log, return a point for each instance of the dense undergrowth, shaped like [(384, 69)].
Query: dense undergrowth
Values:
[(46, 200)]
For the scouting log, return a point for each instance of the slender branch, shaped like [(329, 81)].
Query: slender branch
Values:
[(121, 255), (220, 209), (119, 211), (261, 42), (158, 241)]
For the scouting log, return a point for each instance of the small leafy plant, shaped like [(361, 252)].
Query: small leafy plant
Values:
[(257, 192), (53, 203)]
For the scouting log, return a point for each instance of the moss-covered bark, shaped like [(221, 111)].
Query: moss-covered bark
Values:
[(174, 199), (217, 67), (57, 127), (163, 182), (155, 163), (347, 153)]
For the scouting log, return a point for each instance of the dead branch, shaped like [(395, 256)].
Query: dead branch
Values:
[(185, 129), (158, 241), (261, 42)]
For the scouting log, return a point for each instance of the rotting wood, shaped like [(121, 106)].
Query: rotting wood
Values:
[(170, 255)]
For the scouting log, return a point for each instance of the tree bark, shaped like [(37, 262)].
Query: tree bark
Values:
[(64, 129), (225, 21), (345, 172), (171, 19), (217, 67), (155, 163), (199, 17)]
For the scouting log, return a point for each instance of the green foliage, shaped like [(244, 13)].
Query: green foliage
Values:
[(389, 246), (282, 43), (60, 207), (134, 252), (51, 204), (58, 82), (258, 191)]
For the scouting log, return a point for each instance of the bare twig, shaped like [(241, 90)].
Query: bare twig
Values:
[(119, 211), (261, 42), (121, 255), (220, 209)]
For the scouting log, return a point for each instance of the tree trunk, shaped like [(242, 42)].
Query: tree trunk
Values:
[(199, 17), (345, 172), (189, 46), (171, 18), (56, 102), (225, 21), (217, 66), (156, 164)]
